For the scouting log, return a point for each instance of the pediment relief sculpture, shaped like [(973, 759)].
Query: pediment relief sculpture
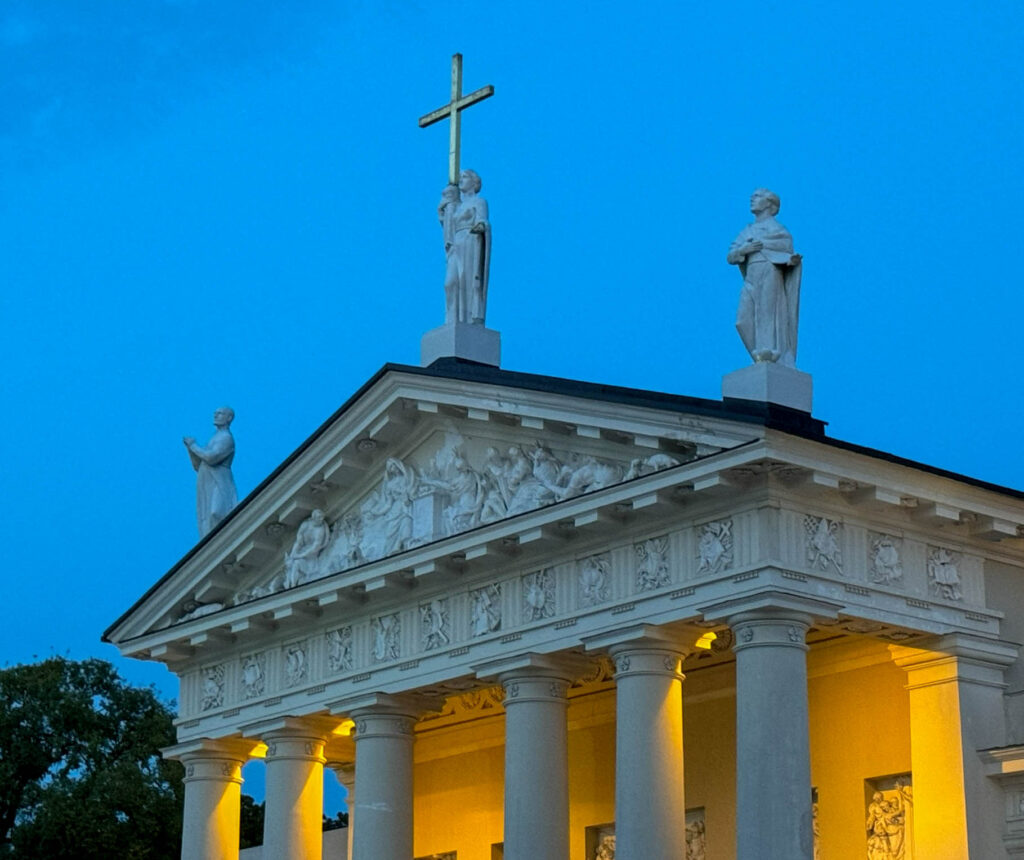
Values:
[(465, 484)]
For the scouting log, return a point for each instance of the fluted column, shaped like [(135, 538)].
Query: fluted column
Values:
[(536, 764), (384, 746), (649, 801), (213, 798), (773, 760), (293, 826)]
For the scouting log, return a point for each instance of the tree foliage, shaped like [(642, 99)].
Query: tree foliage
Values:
[(80, 770)]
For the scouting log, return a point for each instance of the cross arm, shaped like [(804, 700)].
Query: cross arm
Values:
[(457, 105)]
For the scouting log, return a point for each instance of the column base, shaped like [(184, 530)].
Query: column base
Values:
[(770, 382), (461, 340)]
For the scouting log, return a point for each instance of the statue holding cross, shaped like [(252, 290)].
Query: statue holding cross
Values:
[(463, 214)]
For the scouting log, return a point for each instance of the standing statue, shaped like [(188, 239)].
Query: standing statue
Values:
[(467, 245), (215, 487), (770, 300)]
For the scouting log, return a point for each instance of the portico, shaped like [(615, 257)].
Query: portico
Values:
[(549, 677)]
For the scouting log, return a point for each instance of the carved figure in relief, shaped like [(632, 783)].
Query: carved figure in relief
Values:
[(216, 495), (296, 667), (886, 826), (465, 489), (387, 514), (886, 568), (823, 544), (769, 309), (593, 581), (212, 688), (548, 470), (587, 474), (696, 844), (467, 236), (715, 546), (300, 562), (495, 487), (606, 848), (342, 552), (641, 466), (526, 491), (652, 564), (253, 677), (538, 595), (944, 573), (486, 610), (339, 649), (434, 621), (386, 629)]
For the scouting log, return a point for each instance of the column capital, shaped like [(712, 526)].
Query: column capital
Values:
[(645, 637), (955, 657), (566, 667), (233, 748), (404, 704), (772, 604)]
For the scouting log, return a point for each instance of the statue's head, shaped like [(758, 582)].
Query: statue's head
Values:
[(223, 417), (763, 199), (470, 181), (317, 516)]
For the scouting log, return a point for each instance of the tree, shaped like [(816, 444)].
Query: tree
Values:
[(81, 776)]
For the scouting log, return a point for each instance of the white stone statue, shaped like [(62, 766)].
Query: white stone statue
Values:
[(770, 299), (467, 244), (216, 495), (301, 561), (387, 515)]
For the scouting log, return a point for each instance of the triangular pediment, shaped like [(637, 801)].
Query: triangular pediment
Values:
[(418, 456)]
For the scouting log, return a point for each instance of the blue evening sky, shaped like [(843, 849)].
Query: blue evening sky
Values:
[(206, 203)]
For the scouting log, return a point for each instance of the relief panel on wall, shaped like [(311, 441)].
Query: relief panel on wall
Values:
[(889, 818)]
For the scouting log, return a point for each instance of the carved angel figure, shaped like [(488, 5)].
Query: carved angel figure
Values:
[(300, 563)]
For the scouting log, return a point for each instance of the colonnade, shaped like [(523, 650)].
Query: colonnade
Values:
[(773, 780)]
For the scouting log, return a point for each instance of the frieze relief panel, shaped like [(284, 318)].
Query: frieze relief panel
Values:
[(465, 483)]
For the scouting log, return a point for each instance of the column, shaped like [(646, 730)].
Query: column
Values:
[(536, 763), (384, 745), (956, 687), (346, 773), (650, 823), (213, 799), (773, 760), (293, 826)]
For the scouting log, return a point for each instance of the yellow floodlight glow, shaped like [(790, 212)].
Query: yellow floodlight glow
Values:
[(345, 728), (704, 643)]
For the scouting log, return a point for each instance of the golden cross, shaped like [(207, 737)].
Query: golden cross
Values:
[(451, 111)]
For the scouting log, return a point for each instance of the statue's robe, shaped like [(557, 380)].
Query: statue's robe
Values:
[(769, 307), (469, 263), (216, 495)]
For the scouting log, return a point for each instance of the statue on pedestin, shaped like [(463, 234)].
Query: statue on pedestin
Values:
[(769, 308), (216, 496), (467, 245)]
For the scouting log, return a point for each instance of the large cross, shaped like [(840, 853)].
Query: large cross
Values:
[(452, 110)]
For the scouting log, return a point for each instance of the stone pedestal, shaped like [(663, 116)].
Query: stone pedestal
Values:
[(773, 779), (293, 826), (461, 340), (958, 807), (384, 740), (770, 382), (213, 798), (536, 765), (649, 820)]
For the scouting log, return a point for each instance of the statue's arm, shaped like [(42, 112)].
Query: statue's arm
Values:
[(742, 247), (219, 449), (480, 216)]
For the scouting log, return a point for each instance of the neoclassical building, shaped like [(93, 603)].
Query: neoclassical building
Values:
[(539, 619)]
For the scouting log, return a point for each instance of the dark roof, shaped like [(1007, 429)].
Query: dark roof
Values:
[(767, 415)]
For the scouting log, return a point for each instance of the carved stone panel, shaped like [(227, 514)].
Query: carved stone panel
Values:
[(387, 643), (822, 542), (296, 664), (696, 840), (538, 595), (212, 687), (435, 628), (448, 855), (885, 559), (339, 649), (652, 568), (593, 579), (890, 818), (254, 676), (714, 546), (600, 842), (944, 573), (485, 610)]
